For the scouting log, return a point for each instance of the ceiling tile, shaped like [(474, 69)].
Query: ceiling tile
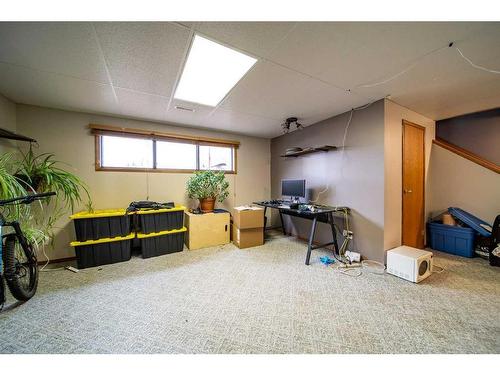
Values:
[(145, 59), (483, 47), (144, 56), (275, 92), (438, 83), (182, 115), (258, 38), (60, 47), (310, 46), (475, 105), (243, 123), (353, 53), (140, 105), (29, 86)]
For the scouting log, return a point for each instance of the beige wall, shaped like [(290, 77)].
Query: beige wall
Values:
[(458, 182), (66, 135), (393, 138), (7, 121)]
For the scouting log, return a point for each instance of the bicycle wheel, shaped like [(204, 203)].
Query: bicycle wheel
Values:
[(21, 270)]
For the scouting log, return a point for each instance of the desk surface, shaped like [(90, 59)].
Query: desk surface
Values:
[(319, 209)]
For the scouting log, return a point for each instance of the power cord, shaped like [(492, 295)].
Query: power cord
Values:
[(416, 61), (475, 65), (412, 65), (441, 269), (346, 129)]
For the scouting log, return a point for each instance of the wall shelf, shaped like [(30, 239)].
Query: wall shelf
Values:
[(7, 134), (310, 150)]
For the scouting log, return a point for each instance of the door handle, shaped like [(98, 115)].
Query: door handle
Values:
[(407, 191)]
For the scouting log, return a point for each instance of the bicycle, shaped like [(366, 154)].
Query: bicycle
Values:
[(17, 258)]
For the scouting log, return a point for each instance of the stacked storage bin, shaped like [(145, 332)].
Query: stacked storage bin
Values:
[(102, 237), (458, 239), (93, 253), (161, 231)]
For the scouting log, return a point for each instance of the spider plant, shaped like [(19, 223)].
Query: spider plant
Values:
[(32, 173), (44, 173), (11, 186)]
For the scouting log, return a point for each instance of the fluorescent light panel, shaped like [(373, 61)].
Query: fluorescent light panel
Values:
[(211, 71)]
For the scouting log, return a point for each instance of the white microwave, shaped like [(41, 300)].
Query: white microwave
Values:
[(409, 263)]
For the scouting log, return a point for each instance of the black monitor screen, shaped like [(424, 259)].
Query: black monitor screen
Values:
[(293, 188)]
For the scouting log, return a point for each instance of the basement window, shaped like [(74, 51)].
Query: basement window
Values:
[(175, 155), (216, 158), (119, 149), (120, 152)]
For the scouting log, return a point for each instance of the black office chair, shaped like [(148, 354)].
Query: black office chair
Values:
[(495, 243)]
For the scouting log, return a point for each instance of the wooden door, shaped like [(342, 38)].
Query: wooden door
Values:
[(413, 193)]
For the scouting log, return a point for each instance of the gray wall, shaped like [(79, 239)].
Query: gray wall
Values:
[(355, 177), (476, 132)]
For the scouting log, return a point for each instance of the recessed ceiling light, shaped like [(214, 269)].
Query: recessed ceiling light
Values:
[(211, 71)]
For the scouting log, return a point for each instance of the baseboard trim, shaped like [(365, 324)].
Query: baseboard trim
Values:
[(59, 260), (303, 239)]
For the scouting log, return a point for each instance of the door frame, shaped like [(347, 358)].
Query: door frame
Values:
[(409, 123)]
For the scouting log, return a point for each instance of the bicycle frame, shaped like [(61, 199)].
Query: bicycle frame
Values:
[(10, 274), (2, 283), (17, 230), (2, 224)]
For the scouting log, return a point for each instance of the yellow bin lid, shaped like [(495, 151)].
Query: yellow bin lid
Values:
[(100, 213), (102, 240), (145, 211), (162, 233)]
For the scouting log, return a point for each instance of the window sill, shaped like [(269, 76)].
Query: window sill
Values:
[(153, 170)]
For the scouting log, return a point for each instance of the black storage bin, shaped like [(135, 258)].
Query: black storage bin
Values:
[(154, 221), (103, 251), (101, 224), (166, 242)]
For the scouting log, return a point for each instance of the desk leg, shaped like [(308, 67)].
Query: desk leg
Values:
[(334, 235), (311, 239), (265, 218), (282, 223)]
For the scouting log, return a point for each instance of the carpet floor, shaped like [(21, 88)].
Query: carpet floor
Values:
[(258, 300)]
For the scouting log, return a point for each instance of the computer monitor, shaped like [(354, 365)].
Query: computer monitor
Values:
[(293, 188)]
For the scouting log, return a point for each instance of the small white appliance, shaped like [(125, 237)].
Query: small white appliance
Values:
[(409, 263)]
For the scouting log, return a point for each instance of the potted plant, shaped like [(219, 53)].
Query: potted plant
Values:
[(208, 186)]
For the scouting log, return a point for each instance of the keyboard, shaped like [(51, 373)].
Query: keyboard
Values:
[(277, 202)]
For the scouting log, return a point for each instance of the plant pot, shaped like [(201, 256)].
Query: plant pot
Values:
[(207, 205), (29, 183)]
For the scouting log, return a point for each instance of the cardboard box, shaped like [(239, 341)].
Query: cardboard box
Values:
[(246, 217), (206, 230), (251, 237)]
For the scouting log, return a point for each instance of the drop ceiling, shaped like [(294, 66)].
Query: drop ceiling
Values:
[(311, 70)]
